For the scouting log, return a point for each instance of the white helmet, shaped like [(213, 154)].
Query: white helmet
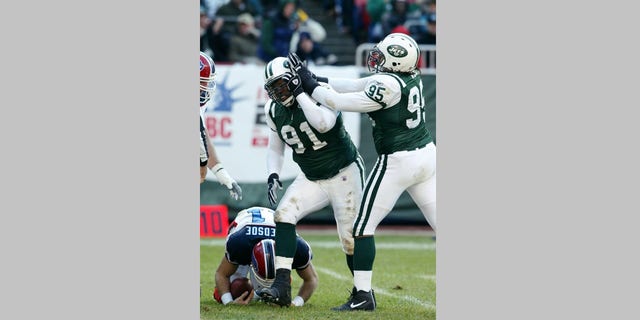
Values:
[(397, 52), (274, 84)]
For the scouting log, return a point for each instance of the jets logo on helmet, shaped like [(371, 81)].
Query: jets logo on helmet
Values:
[(263, 264), (397, 52), (207, 78)]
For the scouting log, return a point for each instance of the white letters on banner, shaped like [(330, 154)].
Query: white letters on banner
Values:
[(235, 120)]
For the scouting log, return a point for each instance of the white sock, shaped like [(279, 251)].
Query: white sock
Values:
[(283, 263), (362, 280)]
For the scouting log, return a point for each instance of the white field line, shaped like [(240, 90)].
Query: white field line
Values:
[(336, 245), (378, 291), (431, 277)]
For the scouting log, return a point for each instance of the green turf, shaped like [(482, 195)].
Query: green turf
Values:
[(403, 280)]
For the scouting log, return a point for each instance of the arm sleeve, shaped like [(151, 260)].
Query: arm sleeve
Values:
[(379, 91), (275, 153), (275, 150), (318, 116), (352, 101), (348, 85), (266, 38)]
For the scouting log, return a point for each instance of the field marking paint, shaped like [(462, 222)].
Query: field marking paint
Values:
[(424, 304), (336, 245), (431, 277)]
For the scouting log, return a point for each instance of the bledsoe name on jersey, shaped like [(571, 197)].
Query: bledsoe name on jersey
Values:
[(250, 226)]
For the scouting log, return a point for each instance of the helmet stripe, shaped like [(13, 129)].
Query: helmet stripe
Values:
[(268, 71)]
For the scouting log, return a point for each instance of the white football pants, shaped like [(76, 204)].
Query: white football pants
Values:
[(413, 171), (343, 192)]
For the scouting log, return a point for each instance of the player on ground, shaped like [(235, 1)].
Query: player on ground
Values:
[(332, 170), (208, 157), (392, 98), (250, 249)]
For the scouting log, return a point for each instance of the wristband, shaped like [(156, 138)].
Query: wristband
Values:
[(226, 298), (217, 167), (322, 79), (204, 163), (298, 301)]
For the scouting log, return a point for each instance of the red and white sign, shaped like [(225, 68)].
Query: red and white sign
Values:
[(214, 221)]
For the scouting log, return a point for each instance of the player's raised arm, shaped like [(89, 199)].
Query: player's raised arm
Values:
[(319, 117)]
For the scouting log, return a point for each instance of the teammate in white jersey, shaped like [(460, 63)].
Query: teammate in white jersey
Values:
[(393, 99)]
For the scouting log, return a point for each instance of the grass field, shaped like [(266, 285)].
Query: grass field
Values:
[(403, 281)]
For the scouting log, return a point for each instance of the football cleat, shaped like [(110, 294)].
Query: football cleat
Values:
[(280, 292), (360, 300)]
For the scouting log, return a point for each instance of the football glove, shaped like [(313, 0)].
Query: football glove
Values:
[(308, 79), (293, 83), (225, 179), (273, 183)]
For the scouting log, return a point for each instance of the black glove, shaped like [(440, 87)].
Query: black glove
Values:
[(293, 83), (308, 79), (274, 184)]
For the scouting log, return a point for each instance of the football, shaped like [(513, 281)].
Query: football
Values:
[(239, 286)]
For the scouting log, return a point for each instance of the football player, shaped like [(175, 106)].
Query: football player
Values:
[(249, 249), (208, 158), (332, 171), (392, 97)]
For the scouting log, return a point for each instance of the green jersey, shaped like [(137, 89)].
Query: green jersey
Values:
[(319, 155), (400, 126)]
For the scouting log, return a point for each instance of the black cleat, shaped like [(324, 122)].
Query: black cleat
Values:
[(373, 293), (360, 300), (280, 291)]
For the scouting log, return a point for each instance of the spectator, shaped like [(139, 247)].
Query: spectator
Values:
[(225, 25), (206, 33), (395, 16), (227, 15), (313, 52), (211, 6), (305, 24), (422, 23), (375, 10), (360, 22), (430, 36), (244, 42), (277, 30)]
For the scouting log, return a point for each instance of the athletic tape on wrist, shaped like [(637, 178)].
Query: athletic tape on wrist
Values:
[(298, 301), (226, 298)]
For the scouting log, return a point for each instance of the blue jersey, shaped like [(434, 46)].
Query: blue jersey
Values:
[(255, 224)]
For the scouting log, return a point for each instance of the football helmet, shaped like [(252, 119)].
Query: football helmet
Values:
[(207, 78), (274, 84), (263, 264), (397, 52)]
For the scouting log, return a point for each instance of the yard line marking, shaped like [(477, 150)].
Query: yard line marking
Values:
[(424, 304), (431, 277), (335, 244)]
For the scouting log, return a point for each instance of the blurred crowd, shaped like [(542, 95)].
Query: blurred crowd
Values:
[(256, 31)]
